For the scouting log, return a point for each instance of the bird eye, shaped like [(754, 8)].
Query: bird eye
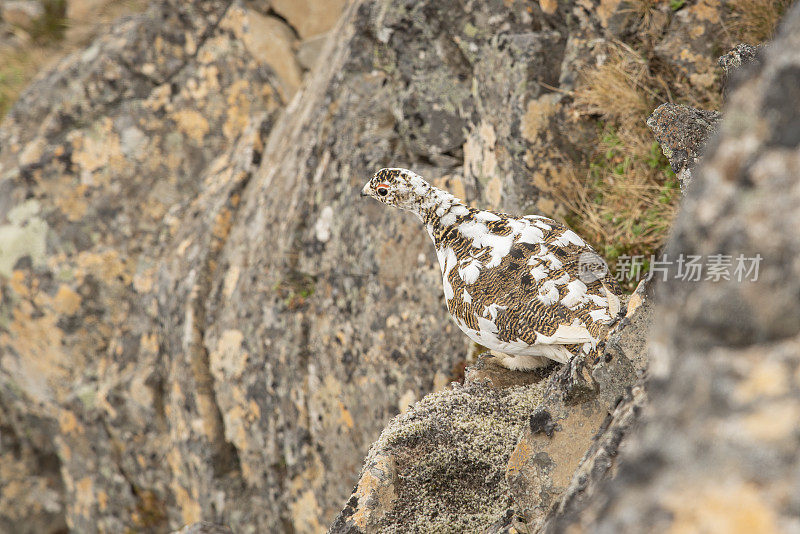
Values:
[(382, 191)]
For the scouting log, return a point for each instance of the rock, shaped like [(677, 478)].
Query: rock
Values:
[(739, 56), (546, 456), (441, 464), (31, 488), (599, 463), (321, 312), (498, 451), (717, 443), (204, 527), (682, 132), (310, 50), (271, 42), (104, 159), (309, 17), (22, 13), (688, 44), (202, 321)]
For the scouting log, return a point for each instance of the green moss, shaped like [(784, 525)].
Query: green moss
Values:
[(295, 288), (675, 5)]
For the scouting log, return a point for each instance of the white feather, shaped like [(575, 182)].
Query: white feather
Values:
[(566, 335)]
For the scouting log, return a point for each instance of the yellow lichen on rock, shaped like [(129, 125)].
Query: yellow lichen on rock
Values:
[(305, 514), (228, 360), (66, 301), (238, 109), (97, 153), (730, 506), (548, 6), (375, 492), (537, 116), (192, 124)]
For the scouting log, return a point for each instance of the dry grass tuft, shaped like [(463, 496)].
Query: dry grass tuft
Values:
[(623, 199), (623, 195), (755, 21), (617, 90)]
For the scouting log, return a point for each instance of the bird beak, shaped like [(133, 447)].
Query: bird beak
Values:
[(364, 191)]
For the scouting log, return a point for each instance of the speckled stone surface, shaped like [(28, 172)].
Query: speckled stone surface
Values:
[(716, 448), (682, 132), (195, 323), (499, 452)]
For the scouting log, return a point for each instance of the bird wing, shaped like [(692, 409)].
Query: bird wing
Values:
[(538, 290)]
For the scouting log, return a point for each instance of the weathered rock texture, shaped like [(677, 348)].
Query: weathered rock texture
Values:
[(499, 452), (736, 61), (682, 133), (109, 163), (717, 448), (199, 321)]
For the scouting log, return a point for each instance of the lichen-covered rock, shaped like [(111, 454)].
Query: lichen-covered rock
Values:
[(101, 159), (682, 132), (191, 313), (688, 44), (497, 453), (199, 320), (735, 59), (716, 449), (204, 527), (441, 465)]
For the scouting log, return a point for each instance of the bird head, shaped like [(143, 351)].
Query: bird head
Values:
[(400, 188)]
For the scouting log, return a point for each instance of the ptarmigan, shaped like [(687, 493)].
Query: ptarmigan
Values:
[(517, 285)]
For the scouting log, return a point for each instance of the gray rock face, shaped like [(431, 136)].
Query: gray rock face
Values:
[(198, 318), (682, 133), (196, 309), (501, 452), (718, 443), (105, 160)]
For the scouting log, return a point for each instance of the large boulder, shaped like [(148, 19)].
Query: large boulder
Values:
[(105, 160), (717, 447), (199, 319), (501, 451)]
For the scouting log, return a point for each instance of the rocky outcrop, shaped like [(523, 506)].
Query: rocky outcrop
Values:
[(199, 321), (106, 160), (710, 448), (716, 446), (196, 310), (682, 133), (735, 59), (499, 452)]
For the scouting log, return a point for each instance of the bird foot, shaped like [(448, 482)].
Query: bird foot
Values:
[(520, 363)]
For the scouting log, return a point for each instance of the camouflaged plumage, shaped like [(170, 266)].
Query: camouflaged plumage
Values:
[(517, 285)]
